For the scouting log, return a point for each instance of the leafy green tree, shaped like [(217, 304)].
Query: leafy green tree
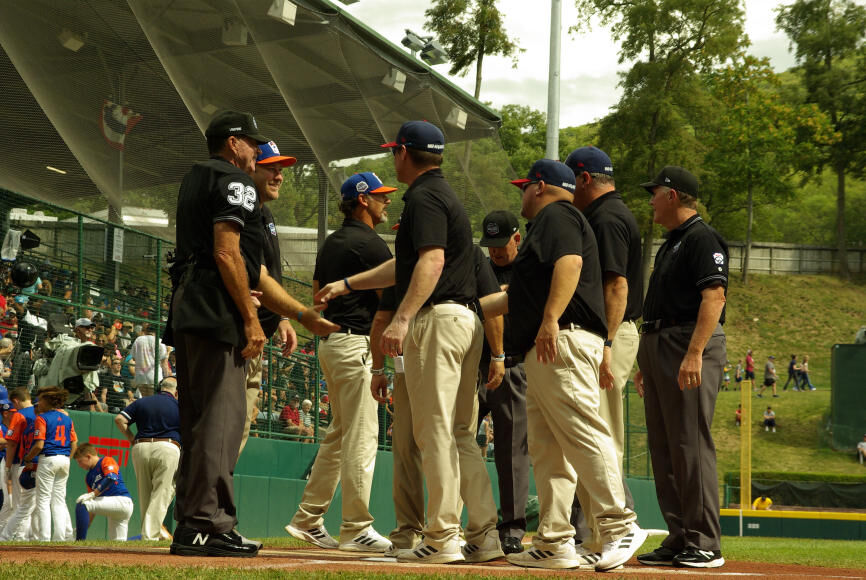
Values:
[(830, 36), (756, 142), (469, 30), (670, 42)]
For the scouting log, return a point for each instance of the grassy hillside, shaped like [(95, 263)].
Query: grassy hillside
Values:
[(783, 315)]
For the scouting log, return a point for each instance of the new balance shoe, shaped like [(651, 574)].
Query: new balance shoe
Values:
[(695, 558), (490, 549), (661, 556), (619, 552), (318, 536), (368, 540), (512, 545), (426, 554), (561, 558), (192, 542), (258, 545)]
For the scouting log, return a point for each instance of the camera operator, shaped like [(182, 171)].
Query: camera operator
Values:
[(31, 334), (72, 367)]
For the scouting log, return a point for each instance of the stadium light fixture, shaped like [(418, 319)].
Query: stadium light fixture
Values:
[(234, 33), (283, 11), (395, 79), (433, 53), (414, 42), (71, 40)]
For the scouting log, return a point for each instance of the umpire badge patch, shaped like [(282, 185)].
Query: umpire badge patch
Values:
[(272, 228), (719, 258), (492, 229)]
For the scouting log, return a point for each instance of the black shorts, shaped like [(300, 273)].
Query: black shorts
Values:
[(769, 382), (750, 375)]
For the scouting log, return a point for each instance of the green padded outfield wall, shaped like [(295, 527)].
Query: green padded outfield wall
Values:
[(848, 396), (269, 481)]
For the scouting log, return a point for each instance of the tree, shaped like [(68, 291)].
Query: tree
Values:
[(469, 30), (830, 36), (670, 41), (755, 141), (523, 135)]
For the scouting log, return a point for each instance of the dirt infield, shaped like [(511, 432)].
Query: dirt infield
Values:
[(311, 560)]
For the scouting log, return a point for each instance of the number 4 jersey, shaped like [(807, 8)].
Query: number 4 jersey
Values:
[(58, 432)]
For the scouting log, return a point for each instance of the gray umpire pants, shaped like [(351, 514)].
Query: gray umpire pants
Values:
[(212, 399), (507, 405), (680, 442)]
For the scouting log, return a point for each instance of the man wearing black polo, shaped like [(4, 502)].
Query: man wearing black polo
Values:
[(348, 454), (681, 356), (619, 252), (507, 404), (440, 338), (558, 321)]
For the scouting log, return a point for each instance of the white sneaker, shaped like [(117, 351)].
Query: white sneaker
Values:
[(426, 554), (318, 536), (490, 549), (620, 551), (562, 558), (368, 540)]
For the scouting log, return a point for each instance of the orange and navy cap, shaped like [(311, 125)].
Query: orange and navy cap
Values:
[(270, 154), (366, 182), (420, 135)]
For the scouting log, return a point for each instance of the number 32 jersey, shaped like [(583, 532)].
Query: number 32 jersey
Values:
[(58, 432)]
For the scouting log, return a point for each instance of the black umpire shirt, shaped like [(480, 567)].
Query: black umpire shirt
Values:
[(558, 230), (618, 239), (215, 191), (693, 257), (355, 247), (503, 277), (433, 216), (271, 259)]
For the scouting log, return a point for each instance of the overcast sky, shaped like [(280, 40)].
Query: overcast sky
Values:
[(589, 60)]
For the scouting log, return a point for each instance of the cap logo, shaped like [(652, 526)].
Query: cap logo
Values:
[(435, 146), (274, 147), (567, 185), (256, 127), (233, 129), (608, 168), (492, 229), (362, 186), (719, 258), (667, 179)]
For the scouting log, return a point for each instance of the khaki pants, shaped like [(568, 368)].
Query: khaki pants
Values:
[(566, 433), (408, 487), (440, 354), (155, 464), (348, 453), (254, 385), (622, 356)]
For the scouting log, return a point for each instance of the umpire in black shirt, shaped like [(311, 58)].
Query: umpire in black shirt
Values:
[(558, 321), (681, 356)]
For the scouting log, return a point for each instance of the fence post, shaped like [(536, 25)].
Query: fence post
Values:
[(80, 264)]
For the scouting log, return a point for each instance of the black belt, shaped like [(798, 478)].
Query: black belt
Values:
[(662, 323), (514, 360), (469, 305), (569, 326), (347, 330)]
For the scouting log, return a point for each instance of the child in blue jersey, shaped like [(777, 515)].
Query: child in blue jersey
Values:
[(54, 440), (6, 410), (19, 438), (106, 494)]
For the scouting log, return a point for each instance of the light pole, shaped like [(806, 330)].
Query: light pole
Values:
[(552, 150)]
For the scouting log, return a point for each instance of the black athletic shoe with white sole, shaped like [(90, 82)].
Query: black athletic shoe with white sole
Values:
[(191, 542), (694, 558), (661, 556)]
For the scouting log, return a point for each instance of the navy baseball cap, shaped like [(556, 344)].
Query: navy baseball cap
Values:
[(590, 159), (27, 479), (676, 178), (366, 182), (234, 124), (550, 172), (5, 404), (498, 227), (419, 135), (269, 154)]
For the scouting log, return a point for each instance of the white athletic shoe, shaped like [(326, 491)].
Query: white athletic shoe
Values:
[(368, 540), (318, 536), (426, 554), (490, 549), (564, 557), (620, 551)]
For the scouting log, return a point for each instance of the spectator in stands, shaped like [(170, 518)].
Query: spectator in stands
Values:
[(769, 376), (861, 449), (324, 410), (124, 337), (172, 362), (115, 389), (31, 334), (738, 415), (306, 417), (762, 503), (150, 368), (128, 368), (291, 418), (805, 381), (769, 419), (7, 346)]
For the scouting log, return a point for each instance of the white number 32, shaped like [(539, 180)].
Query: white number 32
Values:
[(242, 195)]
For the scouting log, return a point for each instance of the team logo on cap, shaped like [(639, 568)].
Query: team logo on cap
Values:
[(274, 147), (667, 179), (362, 186), (492, 229), (568, 186), (719, 258)]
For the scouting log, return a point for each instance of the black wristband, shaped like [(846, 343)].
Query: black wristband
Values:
[(608, 343)]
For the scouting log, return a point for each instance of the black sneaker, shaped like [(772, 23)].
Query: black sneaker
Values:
[(661, 556), (191, 542), (695, 558), (511, 545), (247, 541)]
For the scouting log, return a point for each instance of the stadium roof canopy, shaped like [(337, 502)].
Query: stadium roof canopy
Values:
[(102, 98)]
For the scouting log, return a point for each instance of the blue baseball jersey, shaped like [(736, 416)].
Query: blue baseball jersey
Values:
[(21, 429), (105, 477), (3, 447), (58, 432)]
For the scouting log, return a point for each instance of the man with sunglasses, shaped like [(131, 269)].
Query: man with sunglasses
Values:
[(681, 356), (348, 454), (439, 336)]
